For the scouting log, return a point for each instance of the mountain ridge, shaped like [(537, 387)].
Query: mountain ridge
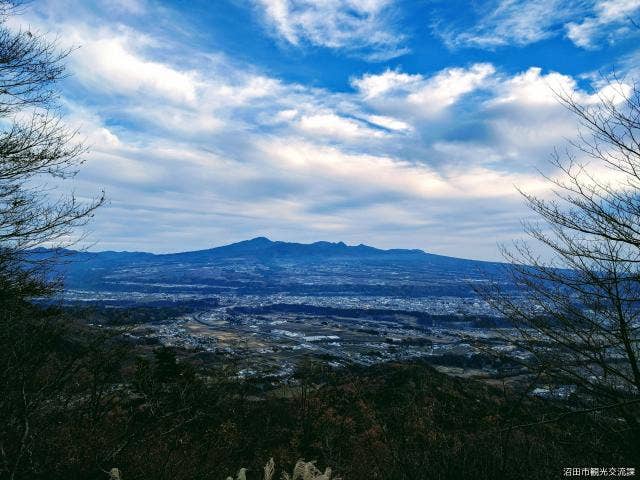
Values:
[(266, 245), (262, 266)]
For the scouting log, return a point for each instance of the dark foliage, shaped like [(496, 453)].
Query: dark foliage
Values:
[(79, 402)]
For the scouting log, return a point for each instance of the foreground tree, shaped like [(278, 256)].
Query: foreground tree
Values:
[(578, 315), (36, 150), (37, 153)]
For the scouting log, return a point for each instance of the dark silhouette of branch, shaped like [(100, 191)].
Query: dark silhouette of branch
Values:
[(576, 311), (573, 412), (37, 153)]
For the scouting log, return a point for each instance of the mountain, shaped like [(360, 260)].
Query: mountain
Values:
[(263, 248), (261, 265)]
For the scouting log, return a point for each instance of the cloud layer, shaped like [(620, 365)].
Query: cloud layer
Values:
[(587, 23), (357, 26), (211, 150)]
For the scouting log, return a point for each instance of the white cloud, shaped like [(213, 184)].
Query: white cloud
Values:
[(359, 172), (108, 61), (371, 85), (523, 22), (244, 88), (286, 115), (610, 20), (511, 22), (332, 125), (356, 26), (533, 88), (419, 95), (359, 181), (122, 61), (612, 92), (389, 123), (449, 85)]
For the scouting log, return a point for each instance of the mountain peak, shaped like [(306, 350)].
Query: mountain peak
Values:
[(258, 240)]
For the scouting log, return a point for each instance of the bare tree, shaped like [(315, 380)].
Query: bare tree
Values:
[(578, 316), (37, 151)]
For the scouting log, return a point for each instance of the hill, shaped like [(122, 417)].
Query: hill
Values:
[(260, 265)]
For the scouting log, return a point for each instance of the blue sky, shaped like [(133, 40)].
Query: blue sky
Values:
[(395, 123)]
